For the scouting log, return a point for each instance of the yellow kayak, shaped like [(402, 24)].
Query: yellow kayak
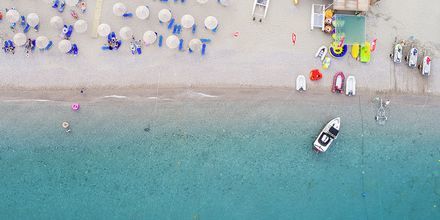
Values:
[(355, 50)]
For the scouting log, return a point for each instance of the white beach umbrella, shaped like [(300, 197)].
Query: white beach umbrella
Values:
[(164, 15), (142, 12), (64, 46), (202, 1), (19, 39), (149, 37), (12, 16), (41, 42), (126, 33), (211, 22), (32, 19), (104, 30), (119, 9), (195, 44), (172, 42), (187, 21), (57, 22), (80, 26), (72, 3)]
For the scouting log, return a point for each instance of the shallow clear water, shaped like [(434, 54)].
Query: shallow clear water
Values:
[(217, 159)]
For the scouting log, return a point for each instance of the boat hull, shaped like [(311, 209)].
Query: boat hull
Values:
[(330, 133)]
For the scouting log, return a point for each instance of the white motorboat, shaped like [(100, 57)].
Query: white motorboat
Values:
[(301, 84), (327, 136)]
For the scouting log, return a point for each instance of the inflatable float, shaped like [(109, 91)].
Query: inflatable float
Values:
[(350, 87), (315, 75), (301, 84), (326, 63), (337, 51), (66, 126), (75, 107), (338, 82)]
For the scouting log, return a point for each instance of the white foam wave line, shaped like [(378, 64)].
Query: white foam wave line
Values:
[(28, 100), (157, 98), (116, 96), (206, 95)]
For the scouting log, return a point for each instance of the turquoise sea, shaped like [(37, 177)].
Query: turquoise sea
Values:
[(245, 157)]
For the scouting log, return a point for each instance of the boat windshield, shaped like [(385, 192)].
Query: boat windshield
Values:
[(333, 131)]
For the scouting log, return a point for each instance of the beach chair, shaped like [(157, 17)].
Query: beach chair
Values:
[(203, 49), (73, 50), (170, 25), (160, 40), (317, 17), (181, 45), (205, 40), (49, 45), (260, 9), (194, 28)]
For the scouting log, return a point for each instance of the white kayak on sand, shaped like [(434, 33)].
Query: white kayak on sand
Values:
[(350, 86), (301, 83), (327, 136), (322, 52)]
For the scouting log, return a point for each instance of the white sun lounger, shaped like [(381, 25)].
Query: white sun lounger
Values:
[(318, 17), (260, 9)]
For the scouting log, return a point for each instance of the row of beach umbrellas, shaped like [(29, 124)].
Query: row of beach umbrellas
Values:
[(164, 15), (149, 37), (126, 33), (41, 42), (187, 20), (20, 39)]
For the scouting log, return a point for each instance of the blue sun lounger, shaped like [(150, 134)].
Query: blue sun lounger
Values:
[(160, 40), (181, 45)]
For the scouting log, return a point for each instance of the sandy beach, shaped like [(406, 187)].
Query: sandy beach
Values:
[(262, 56)]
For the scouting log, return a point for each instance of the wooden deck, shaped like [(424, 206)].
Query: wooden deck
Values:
[(351, 5)]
